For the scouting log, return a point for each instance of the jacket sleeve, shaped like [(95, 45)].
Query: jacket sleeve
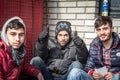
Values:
[(41, 49), (1, 70), (82, 52), (30, 69), (90, 62)]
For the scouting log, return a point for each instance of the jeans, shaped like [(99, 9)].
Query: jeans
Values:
[(78, 74), (116, 77), (74, 72)]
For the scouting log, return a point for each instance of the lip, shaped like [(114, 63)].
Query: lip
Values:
[(16, 44)]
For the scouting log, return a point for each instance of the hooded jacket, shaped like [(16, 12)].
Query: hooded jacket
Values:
[(58, 58), (8, 69), (95, 55)]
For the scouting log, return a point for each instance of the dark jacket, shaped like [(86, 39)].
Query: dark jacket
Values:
[(95, 56), (59, 58)]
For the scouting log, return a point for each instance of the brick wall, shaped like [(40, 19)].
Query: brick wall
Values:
[(81, 14)]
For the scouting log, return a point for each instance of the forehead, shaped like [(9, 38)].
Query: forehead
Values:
[(104, 26), (19, 30), (63, 32)]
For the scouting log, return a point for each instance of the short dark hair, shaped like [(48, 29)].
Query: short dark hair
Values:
[(103, 20), (15, 24)]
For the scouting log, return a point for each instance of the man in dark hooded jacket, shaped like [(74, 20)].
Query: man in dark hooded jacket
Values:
[(62, 56)]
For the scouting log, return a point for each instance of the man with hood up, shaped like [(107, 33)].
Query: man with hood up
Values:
[(61, 58), (12, 51)]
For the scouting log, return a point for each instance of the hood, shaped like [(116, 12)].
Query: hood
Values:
[(3, 32)]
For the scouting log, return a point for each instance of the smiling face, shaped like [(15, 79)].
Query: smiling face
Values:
[(104, 32), (63, 37), (15, 37)]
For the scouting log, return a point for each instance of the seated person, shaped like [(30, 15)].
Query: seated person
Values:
[(104, 51), (61, 57), (12, 51)]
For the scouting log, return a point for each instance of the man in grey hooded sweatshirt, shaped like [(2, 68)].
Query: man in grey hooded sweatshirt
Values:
[(12, 51)]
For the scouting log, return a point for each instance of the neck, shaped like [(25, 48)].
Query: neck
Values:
[(107, 44)]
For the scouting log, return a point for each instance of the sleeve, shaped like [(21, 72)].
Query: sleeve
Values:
[(1, 70), (41, 49), (82, 52), (30, 69), (90, 62)]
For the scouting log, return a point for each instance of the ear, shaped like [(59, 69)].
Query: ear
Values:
[(112, 29)]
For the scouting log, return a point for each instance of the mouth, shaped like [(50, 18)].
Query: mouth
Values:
[(16, 44)]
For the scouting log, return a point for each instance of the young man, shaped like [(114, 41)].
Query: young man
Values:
[(12, 51), (60, 58), (104, 51)]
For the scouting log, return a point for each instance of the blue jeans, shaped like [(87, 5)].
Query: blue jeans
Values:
[(78, 74), (74, 72), (116, 77)]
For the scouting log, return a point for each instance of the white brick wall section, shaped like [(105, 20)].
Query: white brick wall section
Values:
[(52, 27), (67, 4), (90, 35), (53, 21), (57, 0), (85, 16), (77, 22), (52, 33), (86, 3), (119, 31), (52, 16), (66, 16), (116, 22), (88, 41), (85, 29), (81, 35), (75, 10), (90, 10), (57, 10), (52, 4), (89, 22)]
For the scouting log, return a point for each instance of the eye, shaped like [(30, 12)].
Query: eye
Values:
[(105, 28), (98, 30), (12, 34), (66, 35), (22, 34), (59, 35)]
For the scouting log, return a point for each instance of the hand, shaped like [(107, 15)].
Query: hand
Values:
[(77, 41), (108, 76), (97, 76), (44, 35), (40, 77)]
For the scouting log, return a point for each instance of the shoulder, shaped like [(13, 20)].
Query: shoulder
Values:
[(3, 47)]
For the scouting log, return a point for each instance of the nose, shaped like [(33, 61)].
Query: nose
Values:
[(63, 37), (101, 31), (17, 38)]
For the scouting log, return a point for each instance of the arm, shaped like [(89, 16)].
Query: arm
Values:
[(40, 77), (41, 45), (82, 51), (90, 62), (1, 71), (32, 71)]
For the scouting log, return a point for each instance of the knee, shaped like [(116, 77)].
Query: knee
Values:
[(78, 74), (74, 72), (77, 64), (36, 60)]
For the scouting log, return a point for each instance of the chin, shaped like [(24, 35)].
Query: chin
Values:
[(62, 44), (16, 47)]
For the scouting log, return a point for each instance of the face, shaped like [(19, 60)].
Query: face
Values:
[(15, 37), (104, 32), (63, 37)]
